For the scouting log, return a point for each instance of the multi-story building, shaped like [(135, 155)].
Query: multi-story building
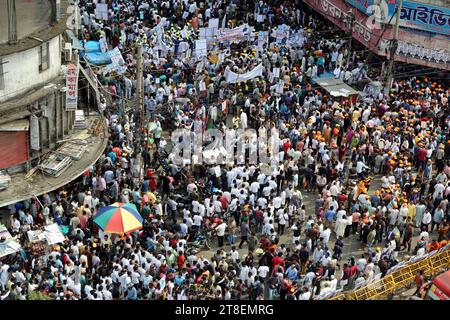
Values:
[(32, 102), (33, 115)]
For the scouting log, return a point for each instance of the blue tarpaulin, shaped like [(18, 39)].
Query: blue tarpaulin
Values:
[(92, 46), (92, 53), (98, 58), (89, 46)]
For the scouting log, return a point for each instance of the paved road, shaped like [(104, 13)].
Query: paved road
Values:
[(352, 247)]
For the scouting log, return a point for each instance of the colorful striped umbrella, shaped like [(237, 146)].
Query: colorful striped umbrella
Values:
[(118, 218)]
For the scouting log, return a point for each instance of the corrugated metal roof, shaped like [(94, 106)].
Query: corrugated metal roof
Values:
[(336, 87)]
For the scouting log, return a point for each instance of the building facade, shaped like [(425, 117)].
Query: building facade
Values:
[(424, 27), (32, 98), (39, 98)]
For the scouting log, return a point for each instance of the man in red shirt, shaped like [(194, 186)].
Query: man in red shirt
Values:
[(264, 242), (277, 260), (83, 220), (345, 275), (224, 201), (421, 158), (286, 145), (352, 274), (419, 280), (181, 259)]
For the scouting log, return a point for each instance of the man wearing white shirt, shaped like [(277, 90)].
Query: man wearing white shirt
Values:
[(326, 233), (277, 202), (282, 218), (263, 271), (232, 207), (198, 220), (426, 220), (360, 166), (262, 202), (244, 272), (272, 184), (266, 191), (254, 187), (220, 231), (189, 221), (195, 206), (261, 178), (107, 295)]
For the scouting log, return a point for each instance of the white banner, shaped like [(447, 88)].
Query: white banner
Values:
[(159, 29), (233, 77), (72, 87), (201, 48), (207, 33), (213, 23), (235, 34), (118, 63), (101, 11), (281, 34)]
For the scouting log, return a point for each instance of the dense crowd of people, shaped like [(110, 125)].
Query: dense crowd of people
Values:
[(198, 217)]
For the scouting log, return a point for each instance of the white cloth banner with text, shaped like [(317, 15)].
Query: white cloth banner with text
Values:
[(233, 77)]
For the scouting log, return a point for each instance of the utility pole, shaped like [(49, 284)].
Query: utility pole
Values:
[(140, 85), (394, 45), (139, 166), (350, 21)]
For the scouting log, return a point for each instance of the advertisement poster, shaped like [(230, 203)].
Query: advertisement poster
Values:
[(413, 15), (72, 87)]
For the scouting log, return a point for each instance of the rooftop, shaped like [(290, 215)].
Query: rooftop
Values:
[(31, 40)]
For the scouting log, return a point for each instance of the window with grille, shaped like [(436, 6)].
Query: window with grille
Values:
[(44, 57)]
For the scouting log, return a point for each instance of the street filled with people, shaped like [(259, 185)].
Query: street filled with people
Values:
[(352, 187)]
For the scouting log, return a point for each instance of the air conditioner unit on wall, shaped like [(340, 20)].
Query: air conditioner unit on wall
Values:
[(68, 52)]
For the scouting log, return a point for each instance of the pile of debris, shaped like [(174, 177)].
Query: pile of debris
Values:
[(73, 149), (60, 159), (55, 164), (80, 120)]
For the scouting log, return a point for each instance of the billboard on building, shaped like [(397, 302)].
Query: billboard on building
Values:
[(415, 15), (72, 87)]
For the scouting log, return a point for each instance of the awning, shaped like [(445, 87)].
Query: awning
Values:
[(341, 90), (17, 125), (336, 87)]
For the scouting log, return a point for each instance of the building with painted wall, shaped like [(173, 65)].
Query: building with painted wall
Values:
[(34, 119), (32, 98)]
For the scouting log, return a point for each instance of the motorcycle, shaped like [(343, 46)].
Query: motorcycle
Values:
[(201, 242), (182, 201)]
